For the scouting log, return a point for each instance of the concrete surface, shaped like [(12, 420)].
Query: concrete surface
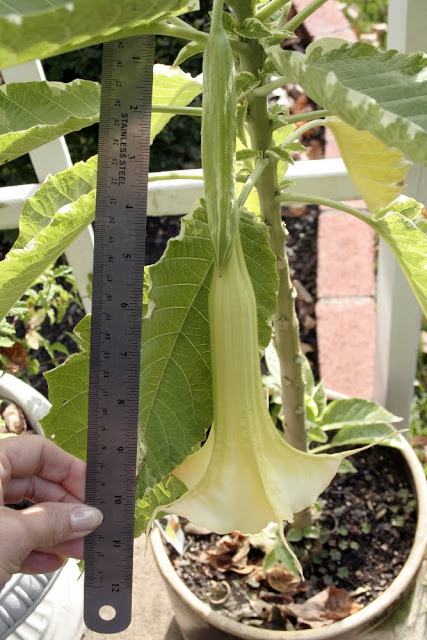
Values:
[(152, 617)]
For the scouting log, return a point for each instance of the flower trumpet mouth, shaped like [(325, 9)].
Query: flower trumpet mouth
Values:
[(245, 475)]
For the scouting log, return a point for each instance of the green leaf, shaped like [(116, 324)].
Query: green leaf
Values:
[(31, 29), (308, 376), (403, 225), (245, 82), (280, 555), (366, 434), (355, 411), (377, 170), (319, 396), (66, 422), (172, 87), (59, 211), (163, 493), (245, 154), (191, 49), (176, 394), (33, 113), (382, 92)]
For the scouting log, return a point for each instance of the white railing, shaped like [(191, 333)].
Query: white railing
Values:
[(398, 315)]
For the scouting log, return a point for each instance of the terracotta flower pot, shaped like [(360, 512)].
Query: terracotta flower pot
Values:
[(44, 606), (389, 617)]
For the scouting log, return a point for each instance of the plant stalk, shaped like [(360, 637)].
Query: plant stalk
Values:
[(285, 321), (303, 15), (270, 8), (291, 197)]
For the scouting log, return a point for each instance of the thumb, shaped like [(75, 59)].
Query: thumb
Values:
[(41, 526), (50, 523)]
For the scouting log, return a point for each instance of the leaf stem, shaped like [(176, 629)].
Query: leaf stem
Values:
[(260, 165), (178, 111), (302, 15), (311, 115), (326, 202), (177, 28), (265, 89), (270, 8), (296, 133)]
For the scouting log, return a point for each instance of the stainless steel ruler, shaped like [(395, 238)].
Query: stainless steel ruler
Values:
[(120, 228)]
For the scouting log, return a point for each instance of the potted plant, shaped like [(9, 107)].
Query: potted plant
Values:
[(223, 286)]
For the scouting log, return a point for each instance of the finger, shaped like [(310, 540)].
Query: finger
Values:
[(36, 489), (70, 549), (42, 527), (50, 523), (34, 455), (42, 562)]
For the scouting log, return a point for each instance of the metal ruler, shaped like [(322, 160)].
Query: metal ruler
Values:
[(120, 228)]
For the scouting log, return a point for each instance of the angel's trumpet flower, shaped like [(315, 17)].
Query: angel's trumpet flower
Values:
[(246, 475)]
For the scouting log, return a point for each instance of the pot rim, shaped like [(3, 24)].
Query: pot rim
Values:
[(373, 610), (33, 404)]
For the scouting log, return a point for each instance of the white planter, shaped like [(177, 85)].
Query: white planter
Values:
[(45, 606)]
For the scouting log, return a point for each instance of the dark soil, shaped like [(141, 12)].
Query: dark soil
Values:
[(369, 520)]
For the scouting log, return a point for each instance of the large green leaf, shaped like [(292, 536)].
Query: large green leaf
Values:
[(382, 92), (66, 422), (403, 225), (33, 113), (355, 412), (378, 171), (171, 87), (163, 493), (32, 29), (175, 392), (59, 211)]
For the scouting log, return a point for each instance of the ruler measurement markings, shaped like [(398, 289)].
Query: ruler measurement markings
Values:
[(115, 344)]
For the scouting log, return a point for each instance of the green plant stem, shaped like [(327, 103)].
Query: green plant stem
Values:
[(286, 326), (305, 117), (177, 31), (260, 165), (303, 15), (265, 89), (270, 8), (301, 130), (286, 198), (178, 111), (285, 321)]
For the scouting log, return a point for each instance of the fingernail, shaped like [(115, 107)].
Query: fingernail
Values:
[(85, 518)]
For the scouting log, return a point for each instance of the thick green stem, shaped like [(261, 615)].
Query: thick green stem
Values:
[(285, 322)]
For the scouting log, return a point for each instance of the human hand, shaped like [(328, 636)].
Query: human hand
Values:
[(40, 538)]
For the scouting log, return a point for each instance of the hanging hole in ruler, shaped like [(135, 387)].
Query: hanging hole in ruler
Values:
[(107, 612)]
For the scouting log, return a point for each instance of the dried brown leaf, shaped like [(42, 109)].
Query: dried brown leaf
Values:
[(14, 419), (325, 607), (280, 579), (16, 357)]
